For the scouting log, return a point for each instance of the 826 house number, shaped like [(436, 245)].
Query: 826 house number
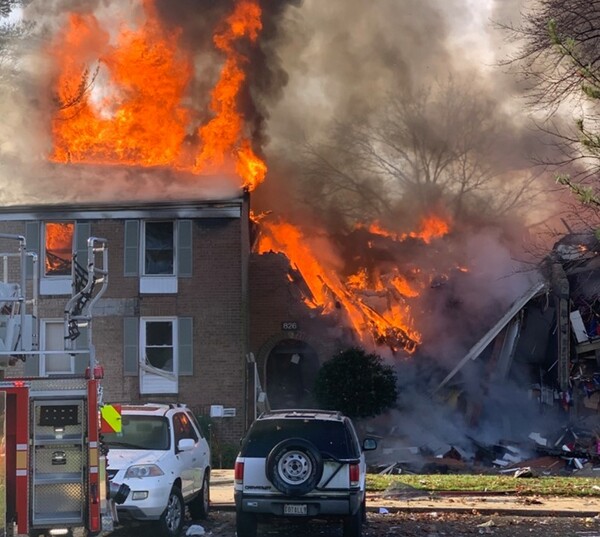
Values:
[(289, 325)]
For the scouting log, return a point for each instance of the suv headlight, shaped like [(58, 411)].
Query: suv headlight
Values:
[(143, 470)]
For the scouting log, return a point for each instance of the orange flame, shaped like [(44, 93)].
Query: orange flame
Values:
[(222, 136), (122, 103), (401, 284), (430, 227), (390, 322), (59, 247)]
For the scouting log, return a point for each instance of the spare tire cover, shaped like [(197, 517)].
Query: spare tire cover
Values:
[(294, 466)]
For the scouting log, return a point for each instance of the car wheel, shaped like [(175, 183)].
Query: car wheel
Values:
[(245, 524), (294, 466), (200, 505), (171, 521), (352, 524)]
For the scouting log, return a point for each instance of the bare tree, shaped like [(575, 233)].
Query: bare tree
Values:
[(6, 6), (10, 33), (423, 148), (560, 59)]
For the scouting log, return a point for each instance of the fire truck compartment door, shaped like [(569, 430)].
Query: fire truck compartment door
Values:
[(58, 477)]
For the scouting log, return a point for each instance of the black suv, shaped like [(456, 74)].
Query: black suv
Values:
[(301, 464)]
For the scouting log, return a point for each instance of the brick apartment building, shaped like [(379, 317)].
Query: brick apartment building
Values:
[(173, 323)]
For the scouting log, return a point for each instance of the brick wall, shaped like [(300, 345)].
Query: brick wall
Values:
[(275, 299), (213, 296)]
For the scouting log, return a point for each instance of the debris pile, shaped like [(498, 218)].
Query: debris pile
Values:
[(572, 451)]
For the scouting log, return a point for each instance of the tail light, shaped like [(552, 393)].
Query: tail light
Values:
[(354, 471), (238, 472)]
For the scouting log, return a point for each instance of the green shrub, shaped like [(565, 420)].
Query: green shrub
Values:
[(356, 383)]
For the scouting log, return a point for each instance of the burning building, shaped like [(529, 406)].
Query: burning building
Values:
[(150, 125), (155, 151)]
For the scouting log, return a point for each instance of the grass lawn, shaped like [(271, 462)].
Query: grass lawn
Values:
[(527, 486)]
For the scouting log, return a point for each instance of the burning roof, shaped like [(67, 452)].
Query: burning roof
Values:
[(122, 98)]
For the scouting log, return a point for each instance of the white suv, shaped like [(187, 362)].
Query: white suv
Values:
[(162, 456), (301, 464)]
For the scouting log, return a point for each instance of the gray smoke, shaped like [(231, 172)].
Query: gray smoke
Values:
[(343, 58), (319, 64)]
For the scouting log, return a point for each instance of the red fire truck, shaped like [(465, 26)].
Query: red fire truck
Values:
[(53, 477)]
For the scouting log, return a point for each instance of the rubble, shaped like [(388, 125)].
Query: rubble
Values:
[(574, 451)]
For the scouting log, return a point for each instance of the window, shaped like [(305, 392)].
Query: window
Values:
[(52, 339), (58, 248), (158, 359), (140, 432), (328, 436), (159, 345), (183, 428), (159, 249), (142, 348), (159, 252)]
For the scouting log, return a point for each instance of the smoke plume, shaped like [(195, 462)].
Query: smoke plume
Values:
[(319, 65)]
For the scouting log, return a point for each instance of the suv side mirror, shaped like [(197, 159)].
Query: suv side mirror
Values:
[(369, 444), (186, 444)]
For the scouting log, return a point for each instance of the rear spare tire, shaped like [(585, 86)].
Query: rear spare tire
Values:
[(294, 466)]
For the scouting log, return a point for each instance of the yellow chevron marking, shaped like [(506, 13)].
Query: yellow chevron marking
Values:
[(112, 417)]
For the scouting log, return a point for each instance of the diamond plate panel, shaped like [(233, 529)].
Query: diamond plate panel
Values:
[(58, 383), (58, 500), (58, 459)]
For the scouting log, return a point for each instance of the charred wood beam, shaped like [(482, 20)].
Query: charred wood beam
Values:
[(576, 454)]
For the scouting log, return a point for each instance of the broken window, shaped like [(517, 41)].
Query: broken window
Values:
[(58, 248), (159, 349), (159, 248)]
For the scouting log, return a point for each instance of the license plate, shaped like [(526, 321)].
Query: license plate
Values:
[(295, 509)]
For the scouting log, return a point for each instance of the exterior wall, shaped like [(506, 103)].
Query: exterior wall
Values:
[(275, 299), (215, 296)]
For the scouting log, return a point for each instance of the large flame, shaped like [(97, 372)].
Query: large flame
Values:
[(376, 303), (222, 136), (121, 100)]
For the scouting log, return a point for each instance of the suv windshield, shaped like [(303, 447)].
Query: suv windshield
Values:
[(140, 432), (329, 437)]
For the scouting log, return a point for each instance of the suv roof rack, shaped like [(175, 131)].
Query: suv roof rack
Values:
[(298, 412)]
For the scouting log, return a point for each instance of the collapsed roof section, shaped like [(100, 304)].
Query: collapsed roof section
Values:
[(510, 324)]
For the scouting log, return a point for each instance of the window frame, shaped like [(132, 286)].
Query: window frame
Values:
[(45, 224), (144, 321), (143, 272), (55, 284), (157, 283)]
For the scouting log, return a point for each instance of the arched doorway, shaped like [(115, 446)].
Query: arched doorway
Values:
[(292, 367)]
